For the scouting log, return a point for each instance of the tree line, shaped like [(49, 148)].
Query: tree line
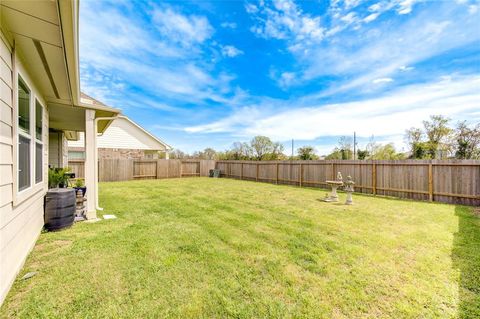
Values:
[(437, 139), (260, 148)]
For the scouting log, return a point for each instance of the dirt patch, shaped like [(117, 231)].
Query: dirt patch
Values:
[(53, 244), (48, 248), (476, 212)]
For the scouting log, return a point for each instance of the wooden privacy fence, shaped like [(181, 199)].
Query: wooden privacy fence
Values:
[(110, 170), (451, 181)]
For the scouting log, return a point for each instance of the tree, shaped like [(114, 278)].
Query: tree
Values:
[(209, 153), (178, 154), (414, 137), (239, 151), (336, 154), (307, 153), (384, 152), (343, 151), (363, 154), (437, 132), (277, 152), (467, 141), (261, 145), (420, 150)]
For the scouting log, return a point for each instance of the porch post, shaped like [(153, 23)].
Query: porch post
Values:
[(167, 154), (90, 163)]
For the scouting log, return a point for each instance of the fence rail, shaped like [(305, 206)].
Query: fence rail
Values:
[(110, 170), (443, 181), (451, 181)]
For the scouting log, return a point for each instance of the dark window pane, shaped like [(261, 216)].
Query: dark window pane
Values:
[(23, 163), (23, 107), (38, 120), (38, 162)]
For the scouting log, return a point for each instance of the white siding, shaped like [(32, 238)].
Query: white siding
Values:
[(58, 149), (125, 135), (21, 219)]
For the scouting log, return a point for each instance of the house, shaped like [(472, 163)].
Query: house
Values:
[(123, 139), (40, 110)]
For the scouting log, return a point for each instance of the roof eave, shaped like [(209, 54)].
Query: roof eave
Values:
[(69, 24)]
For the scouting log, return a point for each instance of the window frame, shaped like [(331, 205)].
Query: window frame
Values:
[(20, 197), (37, 141), (20, 132)]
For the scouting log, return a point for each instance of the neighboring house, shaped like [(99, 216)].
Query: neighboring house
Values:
[(40, 109), (123, 139)]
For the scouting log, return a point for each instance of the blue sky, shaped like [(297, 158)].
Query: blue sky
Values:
[(206, 74)]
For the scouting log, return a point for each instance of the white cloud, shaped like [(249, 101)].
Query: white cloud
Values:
[(405, 6), (286, 79), (132, 54), (382, 80), (375, 7), (286, 21), (472, 9), (351, 17), (182, 28), (230, 25), (405, 68), (251, 8), (379, 53), (371, 17), (384, 116), (231, 51)]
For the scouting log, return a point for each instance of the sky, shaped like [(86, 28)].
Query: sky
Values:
[(203, 74)]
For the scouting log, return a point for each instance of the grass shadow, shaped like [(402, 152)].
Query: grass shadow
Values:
[(466, 258)]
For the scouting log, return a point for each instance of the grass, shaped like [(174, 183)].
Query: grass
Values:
[(217, 248)]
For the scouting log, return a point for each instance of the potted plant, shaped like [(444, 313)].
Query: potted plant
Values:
[(53, 178), (58, 177), (80, 185)]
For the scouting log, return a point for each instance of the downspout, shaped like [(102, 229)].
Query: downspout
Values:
[(97, 207)]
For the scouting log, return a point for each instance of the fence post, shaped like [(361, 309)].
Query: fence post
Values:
[(241, 170), (256, 177), (430, 182), (168, 169), (181, 169), (333, 171), (374, 179), (157, 171), (301, 175), (276, 176)]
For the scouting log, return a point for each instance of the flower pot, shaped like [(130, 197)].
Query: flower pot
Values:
[(83, 189)]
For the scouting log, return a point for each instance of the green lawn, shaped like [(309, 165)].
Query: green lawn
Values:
[(218, 248)]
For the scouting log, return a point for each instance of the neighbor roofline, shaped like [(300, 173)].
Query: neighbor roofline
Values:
[(167, 147)]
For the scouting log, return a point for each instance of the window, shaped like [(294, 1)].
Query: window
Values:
[(38, 142), (24, 136), (76, 155)]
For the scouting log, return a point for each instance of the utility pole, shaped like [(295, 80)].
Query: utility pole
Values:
[(292, 150), (354, 145)]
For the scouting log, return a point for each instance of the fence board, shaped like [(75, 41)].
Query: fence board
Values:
[(451, 181)]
